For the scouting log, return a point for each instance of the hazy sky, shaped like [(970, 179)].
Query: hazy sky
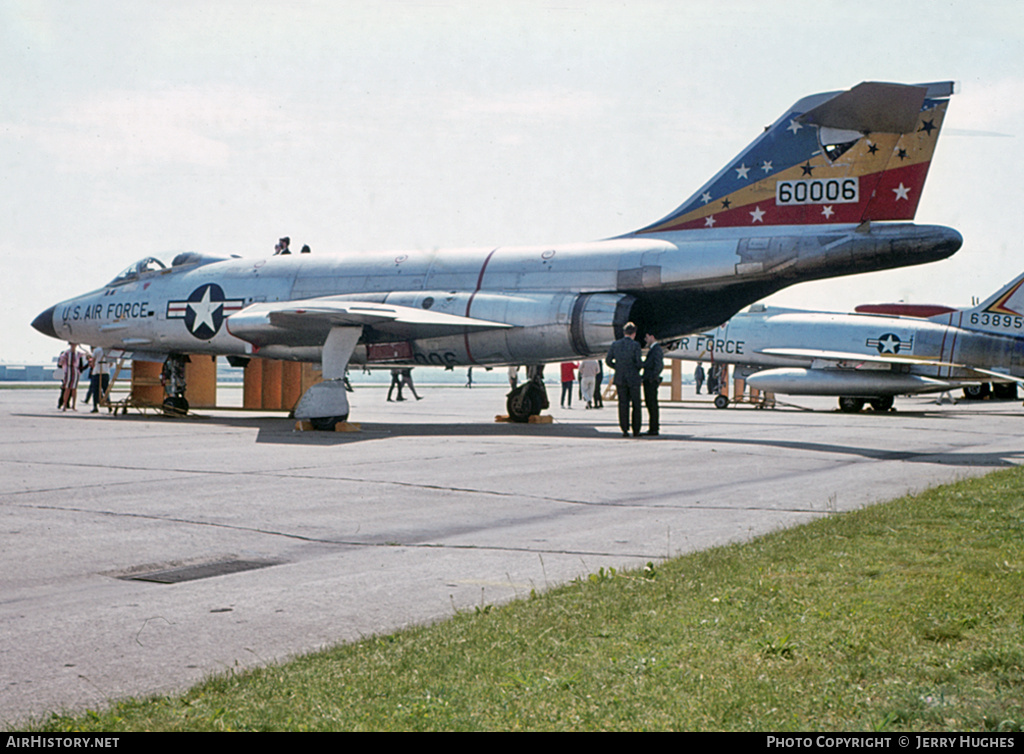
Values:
[(137, 127)]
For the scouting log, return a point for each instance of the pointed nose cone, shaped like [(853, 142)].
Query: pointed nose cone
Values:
[(44, 323)]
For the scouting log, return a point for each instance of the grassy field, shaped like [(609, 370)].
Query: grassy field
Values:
[(902, 616)]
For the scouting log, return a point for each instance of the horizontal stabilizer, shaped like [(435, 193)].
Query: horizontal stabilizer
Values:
[(871, 106)]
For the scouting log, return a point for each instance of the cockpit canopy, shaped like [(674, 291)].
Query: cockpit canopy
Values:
[(159, 265)]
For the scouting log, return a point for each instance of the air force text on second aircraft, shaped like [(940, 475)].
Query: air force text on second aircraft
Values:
[(711, 344)]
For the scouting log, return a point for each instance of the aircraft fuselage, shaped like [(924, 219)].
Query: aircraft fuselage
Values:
[(799, 352), (561, 301)]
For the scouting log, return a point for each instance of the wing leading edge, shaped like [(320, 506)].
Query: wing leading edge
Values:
[(309, 320), (837, 357)]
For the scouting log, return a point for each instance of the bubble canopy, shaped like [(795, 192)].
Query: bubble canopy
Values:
[(164, 263)]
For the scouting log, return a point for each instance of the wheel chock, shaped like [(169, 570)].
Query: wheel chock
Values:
[(534, 419), (307, 426)]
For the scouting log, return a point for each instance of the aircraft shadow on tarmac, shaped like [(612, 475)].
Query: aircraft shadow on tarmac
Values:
[(994, 459), (272, 432), (280, 430)]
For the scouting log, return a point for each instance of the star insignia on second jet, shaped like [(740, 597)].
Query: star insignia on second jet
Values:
[(889, 343), (766, 166), (709, 221), (794, 126), (757, 215), (742, 170), (827, 211), (872, 148), (808, 170), (902, 192), (927, 126), (705, 197), (902, 154)]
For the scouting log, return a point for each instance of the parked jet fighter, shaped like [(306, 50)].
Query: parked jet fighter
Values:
[(870, 358), (816, 195)]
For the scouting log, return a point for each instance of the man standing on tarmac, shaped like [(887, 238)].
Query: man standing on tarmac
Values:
[(653, 365), (624, 357)]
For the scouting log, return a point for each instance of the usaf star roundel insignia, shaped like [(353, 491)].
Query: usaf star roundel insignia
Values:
[(889, 343), (204, 310)]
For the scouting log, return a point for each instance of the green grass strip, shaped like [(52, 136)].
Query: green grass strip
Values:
[(907, 615)]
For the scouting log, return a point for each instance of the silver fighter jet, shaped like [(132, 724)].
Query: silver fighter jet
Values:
[(870, 358), (826, 190)]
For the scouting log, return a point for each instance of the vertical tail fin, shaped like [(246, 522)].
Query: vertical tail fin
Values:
[(838, 157), (1002, 312)]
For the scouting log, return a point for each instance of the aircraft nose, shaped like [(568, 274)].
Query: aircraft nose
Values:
[(44, 323)]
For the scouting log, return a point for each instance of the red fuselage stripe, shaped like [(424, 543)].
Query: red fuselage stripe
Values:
[(469, 304)]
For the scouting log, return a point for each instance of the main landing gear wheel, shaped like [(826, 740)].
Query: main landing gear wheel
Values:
[(850, 405), (721, 401), (326, 423), (174, 405), (523, 402), (882, 403), (1004, 391), (976, 392)]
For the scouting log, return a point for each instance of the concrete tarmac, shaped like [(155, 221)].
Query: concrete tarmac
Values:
[(431, 508)]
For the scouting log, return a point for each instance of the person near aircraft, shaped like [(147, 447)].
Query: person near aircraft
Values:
[(58, 374), (654, 362), (282, 246), (625, 358), (305, 249), (87, 374), (598, 381), (396, 382), (98, 377), (513, 376), (588, 379), (407, 382), (73, 362), (698, 376), (469, 377), (568, 377)]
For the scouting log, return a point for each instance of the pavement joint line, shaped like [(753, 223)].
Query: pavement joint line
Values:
[(357, 543)]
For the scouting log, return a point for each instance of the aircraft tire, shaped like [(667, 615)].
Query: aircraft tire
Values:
[(850, 405), (522, 403), (976, 392), (175, 405), (326, 423), (1004, 391), (721, 401), (882, 403)]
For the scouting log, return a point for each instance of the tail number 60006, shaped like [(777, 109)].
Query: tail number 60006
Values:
[(818, 191)]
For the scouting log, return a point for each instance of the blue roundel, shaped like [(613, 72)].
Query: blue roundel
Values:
[(204, 311)]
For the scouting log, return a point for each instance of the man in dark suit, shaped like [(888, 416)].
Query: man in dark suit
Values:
[(625, 358), (653, 365)]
